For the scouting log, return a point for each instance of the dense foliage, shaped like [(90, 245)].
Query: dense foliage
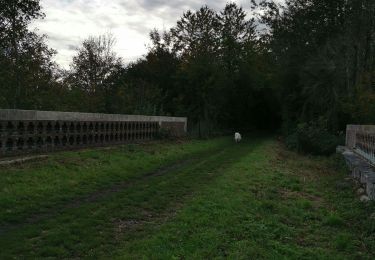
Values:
[(324, 53), (306, 67)]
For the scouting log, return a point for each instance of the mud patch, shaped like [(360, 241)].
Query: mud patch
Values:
[(288, 194), (122, 226)]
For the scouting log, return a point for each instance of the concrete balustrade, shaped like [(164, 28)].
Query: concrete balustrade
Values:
[(27, 131), (361, 139), (359, 153)]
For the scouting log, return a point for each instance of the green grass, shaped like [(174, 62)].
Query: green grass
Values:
[(212, 199)]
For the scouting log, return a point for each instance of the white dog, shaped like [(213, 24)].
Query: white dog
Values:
[(237, 137)]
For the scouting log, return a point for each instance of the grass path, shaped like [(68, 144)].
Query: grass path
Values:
[(195, 200)]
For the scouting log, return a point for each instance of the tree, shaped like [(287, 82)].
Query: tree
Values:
[(91, 70), (196, 33), (323, 53), (236, 34), (162, 66), (238, 54), (315, 45), (25, 59), (195, 40)]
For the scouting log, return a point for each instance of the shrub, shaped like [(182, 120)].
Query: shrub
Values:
[(314, 138), (334, 220), (291, 141), (164, 133)]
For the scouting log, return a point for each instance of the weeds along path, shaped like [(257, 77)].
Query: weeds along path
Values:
[(149, 197)]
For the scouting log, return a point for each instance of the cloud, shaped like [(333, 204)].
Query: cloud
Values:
[(69, 22)]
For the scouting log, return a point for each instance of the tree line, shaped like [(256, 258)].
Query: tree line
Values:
[(324, 57), (305, 67)]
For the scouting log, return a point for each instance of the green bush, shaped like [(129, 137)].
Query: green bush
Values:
[(291, 141), (314, 138), (163, 133)]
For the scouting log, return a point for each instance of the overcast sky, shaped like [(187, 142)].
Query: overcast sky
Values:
[(68, 22)]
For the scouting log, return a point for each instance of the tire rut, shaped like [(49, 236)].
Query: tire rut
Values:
[(107, 192)]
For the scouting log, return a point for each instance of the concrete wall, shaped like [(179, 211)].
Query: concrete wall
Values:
[(28, 131)]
